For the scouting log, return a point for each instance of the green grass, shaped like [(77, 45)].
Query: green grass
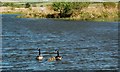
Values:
[(11, 13)]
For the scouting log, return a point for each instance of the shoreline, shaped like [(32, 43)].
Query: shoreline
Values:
[(97, 14), (64, 19)]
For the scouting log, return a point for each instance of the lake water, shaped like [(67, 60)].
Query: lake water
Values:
[(83, 45)]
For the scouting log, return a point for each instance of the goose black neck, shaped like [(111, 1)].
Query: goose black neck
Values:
[(39, 52), (57, 53)]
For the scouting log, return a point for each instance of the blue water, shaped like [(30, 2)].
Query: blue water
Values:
[(83, 45)]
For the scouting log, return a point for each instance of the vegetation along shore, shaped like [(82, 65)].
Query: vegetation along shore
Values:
[(85, 11)]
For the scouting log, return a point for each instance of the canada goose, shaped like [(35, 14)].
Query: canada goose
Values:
[(39, 57), (58, 57)]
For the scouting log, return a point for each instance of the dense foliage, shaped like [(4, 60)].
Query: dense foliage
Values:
[(109, 4), (62, 7), (27, 5), (10, 4), (66, 8)]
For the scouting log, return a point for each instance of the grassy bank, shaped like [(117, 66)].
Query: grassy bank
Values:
[(11, 13), (94, 12)]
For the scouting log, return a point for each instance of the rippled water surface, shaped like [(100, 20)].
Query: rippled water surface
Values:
[(83, 45)]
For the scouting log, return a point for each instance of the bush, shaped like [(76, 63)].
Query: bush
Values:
[(27, 5), (66, 8), (1, 3), (8, 4), (11, 4), (62, 7), (109, 4), (80, 5)]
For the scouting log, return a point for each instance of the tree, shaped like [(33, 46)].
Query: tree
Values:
[(1, 3), (67, 8), (64, 8), (27, 5), (8, 4), (109, 4)]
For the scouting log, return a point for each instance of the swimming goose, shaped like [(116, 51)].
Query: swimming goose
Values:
[(39, 57), (58, 57)]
